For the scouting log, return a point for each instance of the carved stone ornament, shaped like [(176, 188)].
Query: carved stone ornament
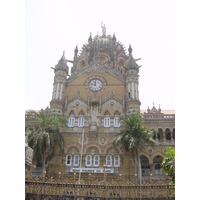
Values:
[(92, 151), (102, 141), (112, 103), (150, 151), (85, 140), (77, 103), (72, 150), (112, 151)]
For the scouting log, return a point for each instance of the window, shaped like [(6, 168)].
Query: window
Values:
[(68, 160), (106, 122), (96, 160), (76, 160), (88, 162), (116, 122), (116, 161), (145, 171), (71, 122), (108, 161), (80, 121), (158, 169)]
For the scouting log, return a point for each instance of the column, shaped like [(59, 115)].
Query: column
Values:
[(151, 168), (128, 92), (53, 94), (57, 90), (171, 135), (61, 91), (156, 135), (164, 136), (136, 87), (133, 89)]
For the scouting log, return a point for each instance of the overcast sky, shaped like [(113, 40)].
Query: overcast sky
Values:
[(52, 27)]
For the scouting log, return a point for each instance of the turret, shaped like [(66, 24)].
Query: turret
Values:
[(61, 73), (132, 84)]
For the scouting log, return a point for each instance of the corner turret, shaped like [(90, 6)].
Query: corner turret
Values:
[(132, 84)]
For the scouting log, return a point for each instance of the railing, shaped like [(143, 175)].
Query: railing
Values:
[(158, 116), (65, 188)]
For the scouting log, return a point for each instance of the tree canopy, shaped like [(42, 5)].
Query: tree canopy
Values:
[(43, 135), (134, 137), (167, 163)]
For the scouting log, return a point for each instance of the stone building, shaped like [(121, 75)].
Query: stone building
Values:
[(103, 85)]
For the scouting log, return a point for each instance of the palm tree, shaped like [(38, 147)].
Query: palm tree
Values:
[(134, 138), (43, 135)]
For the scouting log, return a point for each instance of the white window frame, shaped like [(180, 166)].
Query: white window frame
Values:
[(71, 122), (76, 159), (67, 160), (96, 165), (107, 122), (108, 165), (86, 161), (81, 122), (116, 122), (116, 165)]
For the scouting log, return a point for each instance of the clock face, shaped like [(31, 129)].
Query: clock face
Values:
[(95, 85)]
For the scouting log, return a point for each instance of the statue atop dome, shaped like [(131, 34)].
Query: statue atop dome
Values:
[(103, 29)]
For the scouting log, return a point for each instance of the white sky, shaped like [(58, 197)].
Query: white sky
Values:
[(52, 27)]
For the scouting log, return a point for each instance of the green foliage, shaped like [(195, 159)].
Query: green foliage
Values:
[(167, 163), (136, 135), (43, 135)]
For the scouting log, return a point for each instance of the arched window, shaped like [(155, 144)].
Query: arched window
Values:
[(81, 122), (76, 160), (158, 169), (108, 161), (116, 161), (96, 160), (107, 120), (168, 137), (71, 121), (116, 122), (88, 161), (68, 160)]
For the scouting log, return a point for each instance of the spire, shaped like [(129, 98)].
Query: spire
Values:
[(90, 38), (130, 62), (130, 50), (63, 56), (114, 38), (62, 63), (76, 51)]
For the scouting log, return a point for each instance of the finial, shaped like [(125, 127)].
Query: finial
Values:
[(153, 104), (90, 38), (63, 56), (114, 38), (76, 50), (130, 49)]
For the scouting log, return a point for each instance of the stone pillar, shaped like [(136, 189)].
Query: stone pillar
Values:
[(164, 136), (171, 131), (151, 168), (156, 135)]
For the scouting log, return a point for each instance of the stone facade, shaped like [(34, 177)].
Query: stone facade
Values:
[(103, 85)]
